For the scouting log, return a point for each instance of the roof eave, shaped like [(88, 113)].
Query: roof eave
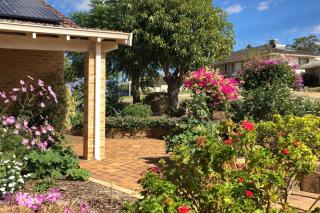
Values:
[(120, 37)]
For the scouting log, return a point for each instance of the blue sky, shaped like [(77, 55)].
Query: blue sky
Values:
[(255, 21)]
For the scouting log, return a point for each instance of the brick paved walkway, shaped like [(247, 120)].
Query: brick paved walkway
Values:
[(127, 159)]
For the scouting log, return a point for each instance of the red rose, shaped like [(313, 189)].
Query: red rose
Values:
[(285, 151), (240, 180), (247, 125), (154, 170), (249, 193), (229, 141), (183, 209)]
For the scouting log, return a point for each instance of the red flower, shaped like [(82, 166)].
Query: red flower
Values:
[(247, 125), (229, 141), (240, 180), (154, 170), (249, 193), (285, 151), (183, 209)]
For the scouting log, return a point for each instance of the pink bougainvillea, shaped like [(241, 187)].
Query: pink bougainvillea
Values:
[(217, 87)]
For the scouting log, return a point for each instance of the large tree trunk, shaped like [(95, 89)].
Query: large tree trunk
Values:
[(173, 92), (136, 86)]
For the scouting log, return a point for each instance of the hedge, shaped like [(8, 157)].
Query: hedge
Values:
[(134, 123)]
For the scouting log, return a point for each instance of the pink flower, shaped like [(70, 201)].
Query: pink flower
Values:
[(16, 132), (3, 95), (23, 199), (53, 196), (22, 82), (13, 97), (249, 193), (18, 126), (31, 88), (43, 146), (42, 105), (37, 133), (25, 141), (41, 93), (40, 83), (10, 120), (198, 91)]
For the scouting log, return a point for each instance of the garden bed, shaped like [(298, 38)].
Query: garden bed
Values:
[(98, 197)]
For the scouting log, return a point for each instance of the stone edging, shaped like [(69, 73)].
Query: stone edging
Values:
[(117, 188)]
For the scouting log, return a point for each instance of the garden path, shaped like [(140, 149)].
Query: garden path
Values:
[(127, 160)]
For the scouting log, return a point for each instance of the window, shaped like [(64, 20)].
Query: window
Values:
[(303, 61)]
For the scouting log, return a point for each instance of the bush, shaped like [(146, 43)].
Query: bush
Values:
[(267, 85), (225, 171), (301, 106), (303, 129), (12, 174), (137, 110), (134, 124), (77, 174), (55, 162), (159, 103)]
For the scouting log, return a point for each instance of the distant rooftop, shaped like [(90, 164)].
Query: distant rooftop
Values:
[(272, 48)]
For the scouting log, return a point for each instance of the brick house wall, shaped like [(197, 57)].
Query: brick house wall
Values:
[(17, 64)]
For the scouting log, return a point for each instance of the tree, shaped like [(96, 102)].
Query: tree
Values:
[(135, 61), (183, 35), (310, 43)]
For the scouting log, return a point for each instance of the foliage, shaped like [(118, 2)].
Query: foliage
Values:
[(220, 91), (225, 170), (113, 105), (267, 84), (137, 110), (262, 73), (197, 107), (309, 44), (158, 102), (136, 123), (263, 102), (54, 163), (301, 106), (44, 185), (77, 174), (302, 129), (12, 174)]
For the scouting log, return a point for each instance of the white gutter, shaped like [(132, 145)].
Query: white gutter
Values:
[(67, 31)]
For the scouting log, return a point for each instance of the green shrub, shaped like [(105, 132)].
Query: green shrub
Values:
[(137, 110), (77, 174), (43, 185), (54, 162), (303, 129), (300, 105), (225, 171), (134, 124)]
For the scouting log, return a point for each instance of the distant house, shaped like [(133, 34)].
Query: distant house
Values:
[(311, 76), (234, 63)]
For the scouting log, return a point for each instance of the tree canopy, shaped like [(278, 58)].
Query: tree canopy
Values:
[(310, 43)]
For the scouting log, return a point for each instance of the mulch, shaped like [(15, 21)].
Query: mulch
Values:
[(101, 199)]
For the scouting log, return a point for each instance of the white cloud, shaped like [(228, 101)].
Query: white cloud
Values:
[(83, 5), (316, 29), (264, 5), (235, 8)]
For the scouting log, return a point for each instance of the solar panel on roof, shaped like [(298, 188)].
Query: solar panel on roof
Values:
[(31, 10)]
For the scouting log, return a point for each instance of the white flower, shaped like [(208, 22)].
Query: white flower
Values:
[(11, 184), (11, 177), (2, 189)]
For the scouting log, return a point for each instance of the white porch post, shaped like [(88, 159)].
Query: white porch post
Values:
[(97, 120)]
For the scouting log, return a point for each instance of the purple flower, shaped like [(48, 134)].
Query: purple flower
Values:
[(84, 208), (23, 199), (10, 120), (53, 196), (43, 145), (7, 197)]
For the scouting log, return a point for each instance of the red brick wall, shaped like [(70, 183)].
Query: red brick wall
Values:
[(17, 64)]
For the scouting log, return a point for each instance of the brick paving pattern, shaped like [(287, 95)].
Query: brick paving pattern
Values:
[(127, 160)]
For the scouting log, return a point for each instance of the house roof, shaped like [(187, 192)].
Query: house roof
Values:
[(265, 50), (66, 27)]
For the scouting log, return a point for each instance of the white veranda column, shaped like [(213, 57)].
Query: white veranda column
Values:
[(97, 120)]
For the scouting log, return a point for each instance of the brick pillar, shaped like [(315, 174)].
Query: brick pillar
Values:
[(89, 84), (89, 106)]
